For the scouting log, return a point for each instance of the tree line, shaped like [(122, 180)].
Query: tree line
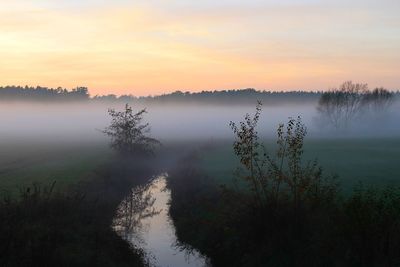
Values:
[(239, 96), (43, 93), (227, 97)]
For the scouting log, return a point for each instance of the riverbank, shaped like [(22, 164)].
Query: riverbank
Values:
[(361, 229), (73, 227)]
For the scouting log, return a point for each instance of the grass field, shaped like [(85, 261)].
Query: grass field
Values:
[(40, 162), (371, 161)]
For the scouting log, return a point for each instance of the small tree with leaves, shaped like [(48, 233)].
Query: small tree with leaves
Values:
[(293, 178), (129, 135), (286, 176), (250, 152)]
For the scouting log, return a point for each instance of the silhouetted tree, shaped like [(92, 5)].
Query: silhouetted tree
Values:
[(248, 148), (129, 136), (339, 107)]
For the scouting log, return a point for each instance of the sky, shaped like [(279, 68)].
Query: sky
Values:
[(149, 47)]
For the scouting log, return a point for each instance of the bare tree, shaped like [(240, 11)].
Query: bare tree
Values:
[(379, 100), (129, 135), (340, 106)]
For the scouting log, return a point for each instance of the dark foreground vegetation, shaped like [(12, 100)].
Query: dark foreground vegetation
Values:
[(283, 211), (71, 228)]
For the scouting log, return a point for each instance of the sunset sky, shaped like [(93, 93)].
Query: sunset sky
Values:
[(147, 47)]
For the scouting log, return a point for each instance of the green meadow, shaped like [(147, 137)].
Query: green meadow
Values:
[(370, 161), (23, 164)]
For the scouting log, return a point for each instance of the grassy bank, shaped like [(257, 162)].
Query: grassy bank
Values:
[(44, 226)]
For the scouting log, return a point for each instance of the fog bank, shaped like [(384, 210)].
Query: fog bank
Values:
[(83, 122)]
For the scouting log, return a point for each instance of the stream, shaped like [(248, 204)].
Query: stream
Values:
[(151, 228)]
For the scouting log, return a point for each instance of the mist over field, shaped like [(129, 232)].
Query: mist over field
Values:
[(83, 122), (233, 133)]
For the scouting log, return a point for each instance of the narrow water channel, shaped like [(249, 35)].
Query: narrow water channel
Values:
[(152, 228)]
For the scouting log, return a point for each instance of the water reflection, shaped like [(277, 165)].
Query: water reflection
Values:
[(142, 219), (138, 205)]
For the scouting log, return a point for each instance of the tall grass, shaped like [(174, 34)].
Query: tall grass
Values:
[(43, 227)]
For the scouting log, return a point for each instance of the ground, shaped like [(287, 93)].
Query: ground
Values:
[(22, 164)]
